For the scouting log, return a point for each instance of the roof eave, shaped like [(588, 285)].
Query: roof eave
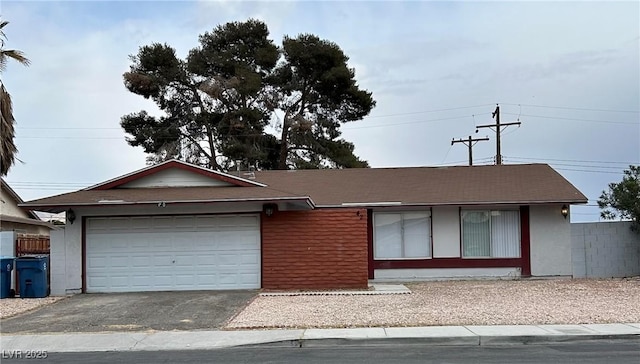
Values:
[(60, 207), (452, 203), (26, 221)]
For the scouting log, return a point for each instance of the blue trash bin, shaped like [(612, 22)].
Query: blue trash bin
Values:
[(6, 264), (32, 273)]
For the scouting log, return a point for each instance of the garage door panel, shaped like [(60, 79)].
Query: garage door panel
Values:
[(119, 281), (140, 261), (119, 262), (249, 278), (250, 259), (140, 280), (172, 253), (163, 261)]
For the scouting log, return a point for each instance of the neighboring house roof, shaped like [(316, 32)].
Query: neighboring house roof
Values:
[(411, 186), (26, 217), (22, 220), (16, 200)]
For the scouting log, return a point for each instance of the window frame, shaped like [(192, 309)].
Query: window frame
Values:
[(490, 214), (429, 242)]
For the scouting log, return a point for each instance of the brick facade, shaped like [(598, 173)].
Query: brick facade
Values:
[(318, 249)]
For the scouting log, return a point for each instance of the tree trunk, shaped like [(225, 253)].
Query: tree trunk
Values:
[(284, 143)]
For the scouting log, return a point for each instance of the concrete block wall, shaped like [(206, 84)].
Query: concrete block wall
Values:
[(604, 250), (319, 249)]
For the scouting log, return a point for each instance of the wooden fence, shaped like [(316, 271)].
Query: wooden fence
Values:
[(27, 244), (32, 244)]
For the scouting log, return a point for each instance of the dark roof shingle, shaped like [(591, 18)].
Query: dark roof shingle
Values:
[(527, 183), (428, 186)]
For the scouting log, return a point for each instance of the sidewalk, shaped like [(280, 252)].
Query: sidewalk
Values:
[(435, 335)]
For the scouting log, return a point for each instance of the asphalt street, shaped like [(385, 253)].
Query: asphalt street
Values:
[(587, 352)]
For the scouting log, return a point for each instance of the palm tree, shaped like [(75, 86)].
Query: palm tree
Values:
[(8, 148)]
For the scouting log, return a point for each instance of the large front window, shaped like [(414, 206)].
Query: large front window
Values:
[(402, 235), (491, 234)]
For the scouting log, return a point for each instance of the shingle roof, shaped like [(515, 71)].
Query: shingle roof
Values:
[(496, 184), (463, 185)]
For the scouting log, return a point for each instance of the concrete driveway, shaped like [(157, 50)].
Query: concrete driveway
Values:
[(141, 311)]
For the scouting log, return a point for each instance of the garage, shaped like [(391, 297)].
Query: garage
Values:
[(172, 253)]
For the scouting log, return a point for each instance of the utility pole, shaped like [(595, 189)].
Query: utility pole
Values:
[(469, 143), (498, 130)]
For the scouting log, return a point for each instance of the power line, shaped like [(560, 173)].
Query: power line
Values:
[(61, 184), (65, 137), (428, 111), (586, 170), (576, 160), (65, 128), (576, 108), (575, 165), (405, 123), (576, 119), (343, 128), (46, 188), (368, 117), (481, 160)]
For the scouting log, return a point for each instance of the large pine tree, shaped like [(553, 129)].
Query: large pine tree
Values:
[(221, 104)]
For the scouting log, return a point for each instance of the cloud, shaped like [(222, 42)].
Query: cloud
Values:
[(413, 56)]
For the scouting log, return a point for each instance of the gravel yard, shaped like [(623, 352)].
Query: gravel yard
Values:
[(14, 306), (521, 302)]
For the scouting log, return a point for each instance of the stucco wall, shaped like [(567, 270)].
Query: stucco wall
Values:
[(9, 206), (317, 249), (24, 228), (175, 177), (407, 275), (7, 243), (550, 241), (8, 249), (605, 250)]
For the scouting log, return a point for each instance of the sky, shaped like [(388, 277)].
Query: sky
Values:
[(567, 71)]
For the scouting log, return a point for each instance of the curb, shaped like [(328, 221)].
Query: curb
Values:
[(552, 339), (445, 341)]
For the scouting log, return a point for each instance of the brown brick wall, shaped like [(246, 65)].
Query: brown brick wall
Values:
[(318, 249)]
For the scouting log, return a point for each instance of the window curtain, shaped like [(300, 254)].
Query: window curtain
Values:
[(505, 234), (416, 235), (402, 235), (388, 236), (476, 234)]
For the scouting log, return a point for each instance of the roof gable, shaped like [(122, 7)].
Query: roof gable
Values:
[(175, 173), (10, 201)]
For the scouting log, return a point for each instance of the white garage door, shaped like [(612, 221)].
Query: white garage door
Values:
[(167, 253)]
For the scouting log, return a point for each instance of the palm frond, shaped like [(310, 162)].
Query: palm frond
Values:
[(15, 55), (5, 54), (8, 148)]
